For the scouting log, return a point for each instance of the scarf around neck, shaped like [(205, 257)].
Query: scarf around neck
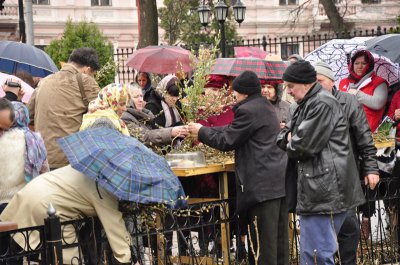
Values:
[(35, 153)]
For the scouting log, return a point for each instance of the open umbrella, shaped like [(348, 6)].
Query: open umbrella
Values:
[(270, 70), (254, 52), (27, 88), (337, 53), (123, 166), (16, 56), (386, 45), (160, 59)]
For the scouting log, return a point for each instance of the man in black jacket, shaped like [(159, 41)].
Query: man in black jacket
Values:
[(260, 167), (364, 151), (327, 177)]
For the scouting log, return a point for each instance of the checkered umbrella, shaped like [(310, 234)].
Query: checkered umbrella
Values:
[(123, 166), (270, 70)]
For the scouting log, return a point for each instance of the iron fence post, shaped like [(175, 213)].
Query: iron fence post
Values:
[(52, 230)]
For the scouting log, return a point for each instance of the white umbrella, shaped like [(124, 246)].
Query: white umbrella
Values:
[(337, 53)]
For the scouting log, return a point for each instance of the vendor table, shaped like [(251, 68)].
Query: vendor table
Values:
[(222, 171)]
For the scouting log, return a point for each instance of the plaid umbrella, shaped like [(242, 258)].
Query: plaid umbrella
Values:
[(270, 70), (123, 166)]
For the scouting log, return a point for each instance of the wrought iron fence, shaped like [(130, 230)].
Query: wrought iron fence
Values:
[(282, 46), (204, 233)]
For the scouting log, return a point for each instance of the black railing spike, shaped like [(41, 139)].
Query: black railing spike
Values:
[(378, 31)]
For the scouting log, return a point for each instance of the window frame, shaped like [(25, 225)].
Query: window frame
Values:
[(370, 2), (289, 2), (100, 3), (36, 2)]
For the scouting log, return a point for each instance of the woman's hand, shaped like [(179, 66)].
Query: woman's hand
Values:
[(397, 115), (352, 91), (194, 129), (180, 131)]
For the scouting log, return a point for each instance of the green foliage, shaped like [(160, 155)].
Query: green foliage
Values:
[(181, 23), (82, 34)]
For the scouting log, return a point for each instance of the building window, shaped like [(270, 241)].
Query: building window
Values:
[(288, 2), (288, 49), (101, 2), (41, 2), (371, 1)]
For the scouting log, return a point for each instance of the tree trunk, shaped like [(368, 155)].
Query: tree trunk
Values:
[(148, 32), (334, 17)]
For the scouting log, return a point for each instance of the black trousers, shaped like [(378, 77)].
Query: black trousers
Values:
[(348, 238), (272, 223)]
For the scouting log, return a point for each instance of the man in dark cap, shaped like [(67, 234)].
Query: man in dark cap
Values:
[(260, 167), (327, 183)]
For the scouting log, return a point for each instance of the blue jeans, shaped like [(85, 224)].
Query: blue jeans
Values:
[(318, 238)]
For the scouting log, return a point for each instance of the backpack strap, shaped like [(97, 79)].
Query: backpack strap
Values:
[(83, 94)]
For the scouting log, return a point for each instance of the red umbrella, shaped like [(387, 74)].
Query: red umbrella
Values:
[(250, 52), (270, 70), (160, 59)]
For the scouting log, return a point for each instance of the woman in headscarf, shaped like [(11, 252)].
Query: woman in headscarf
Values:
[(138, 120), (143, 79), (111, 102), (273, 92), (163, 104), (371, 90), (22, 154)]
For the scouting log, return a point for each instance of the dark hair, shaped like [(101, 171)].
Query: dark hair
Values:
[(5, 104), (26, 77), (85, 57), (173, 90), (142, 73)]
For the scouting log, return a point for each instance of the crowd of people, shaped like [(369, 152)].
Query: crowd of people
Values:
[(314, 157)]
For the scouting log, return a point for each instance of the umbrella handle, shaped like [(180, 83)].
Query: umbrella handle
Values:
[(97, 188)]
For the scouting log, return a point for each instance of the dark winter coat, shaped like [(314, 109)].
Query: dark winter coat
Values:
[(327, 173), (360, 133), (259, 166)]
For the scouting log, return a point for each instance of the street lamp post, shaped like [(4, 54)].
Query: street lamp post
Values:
[(221, 12)]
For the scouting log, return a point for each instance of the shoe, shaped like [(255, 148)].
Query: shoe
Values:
[(365, 228)]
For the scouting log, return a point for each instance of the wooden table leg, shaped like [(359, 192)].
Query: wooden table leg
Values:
[(224, 214)]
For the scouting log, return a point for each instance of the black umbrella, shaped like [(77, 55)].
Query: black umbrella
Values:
[(386, 45), (16, 56)]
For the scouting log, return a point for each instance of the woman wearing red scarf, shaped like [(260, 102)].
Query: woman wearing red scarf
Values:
[(370, 89)]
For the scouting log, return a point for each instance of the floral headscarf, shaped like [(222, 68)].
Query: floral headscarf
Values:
[(369, 58), (35, 154), (106, 105)]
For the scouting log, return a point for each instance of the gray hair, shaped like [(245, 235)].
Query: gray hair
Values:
[(133, 86), (102, 123)]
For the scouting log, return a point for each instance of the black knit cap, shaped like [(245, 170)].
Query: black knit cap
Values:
[(247, 83), (300, 72)]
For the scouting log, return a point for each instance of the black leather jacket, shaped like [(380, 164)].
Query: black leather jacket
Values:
[(360, 133), (327, 173)]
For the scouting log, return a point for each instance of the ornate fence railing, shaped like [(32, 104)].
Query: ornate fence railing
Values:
[(192, 235)]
